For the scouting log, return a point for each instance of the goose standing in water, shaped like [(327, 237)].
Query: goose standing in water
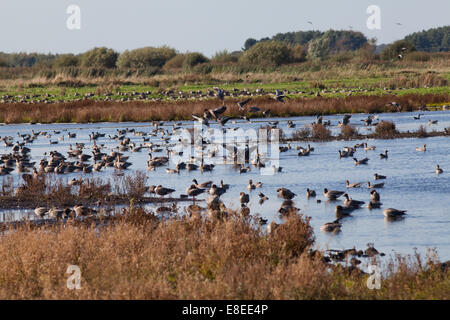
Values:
[(438, 169), (374, 196), (193, 191)]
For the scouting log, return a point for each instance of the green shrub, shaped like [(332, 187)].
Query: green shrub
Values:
[(267, 53), (66, 60), (175, 63), (99, 58), (145, 57), (192, 59), (392, 51)]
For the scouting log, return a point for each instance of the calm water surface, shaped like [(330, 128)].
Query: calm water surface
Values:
[(412, 184)]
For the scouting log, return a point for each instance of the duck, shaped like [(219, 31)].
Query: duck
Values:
[(376, 185), (393, 213), (352, 185), (334, 226), (438, 170), (422, 149), (332, 194)]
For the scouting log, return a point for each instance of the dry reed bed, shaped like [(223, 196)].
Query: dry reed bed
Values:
[(92, 111), (142, 257)]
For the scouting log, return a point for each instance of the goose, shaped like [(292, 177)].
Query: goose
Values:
[(241, 104), (368, 148), (384, 155), (224, 186), (193, 191), (418, 116), (438, 169), (362, 161), (81, 210), (377, 176), (393, 213), (352, 185), (332, 194), (374, 186), (374, 205), (430, 122), (422, 149), (244, 198), (342, 212), (216, 191), (55, 213), (262, 197), (285, 193), (161, 191), (350, 203), (206, 184), (334, 226), (252, 186), (310, 193), (40, 211), (374, 196)]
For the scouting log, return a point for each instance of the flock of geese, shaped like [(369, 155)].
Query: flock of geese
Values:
[(159, 140)]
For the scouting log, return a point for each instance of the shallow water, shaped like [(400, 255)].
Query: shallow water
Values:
[(412, 184)]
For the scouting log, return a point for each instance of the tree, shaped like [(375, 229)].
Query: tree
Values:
[(194, 58), (249, 43), (431, 40), (99, 58), (398, 47)]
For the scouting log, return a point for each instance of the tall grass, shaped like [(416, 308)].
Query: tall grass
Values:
[(140, 256), (99, 111)]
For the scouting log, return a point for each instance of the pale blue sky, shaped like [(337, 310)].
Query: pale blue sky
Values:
[(199, 25)]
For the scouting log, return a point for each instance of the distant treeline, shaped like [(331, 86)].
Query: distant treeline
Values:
[(284, 48)]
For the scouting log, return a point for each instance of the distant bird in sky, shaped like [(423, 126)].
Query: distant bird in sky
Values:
[(399, 24)]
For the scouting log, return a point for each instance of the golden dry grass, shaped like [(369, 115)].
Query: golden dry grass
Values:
[(142, 257)]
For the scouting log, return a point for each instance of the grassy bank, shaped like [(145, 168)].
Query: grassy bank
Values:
[(140, 256), (100, 111)]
